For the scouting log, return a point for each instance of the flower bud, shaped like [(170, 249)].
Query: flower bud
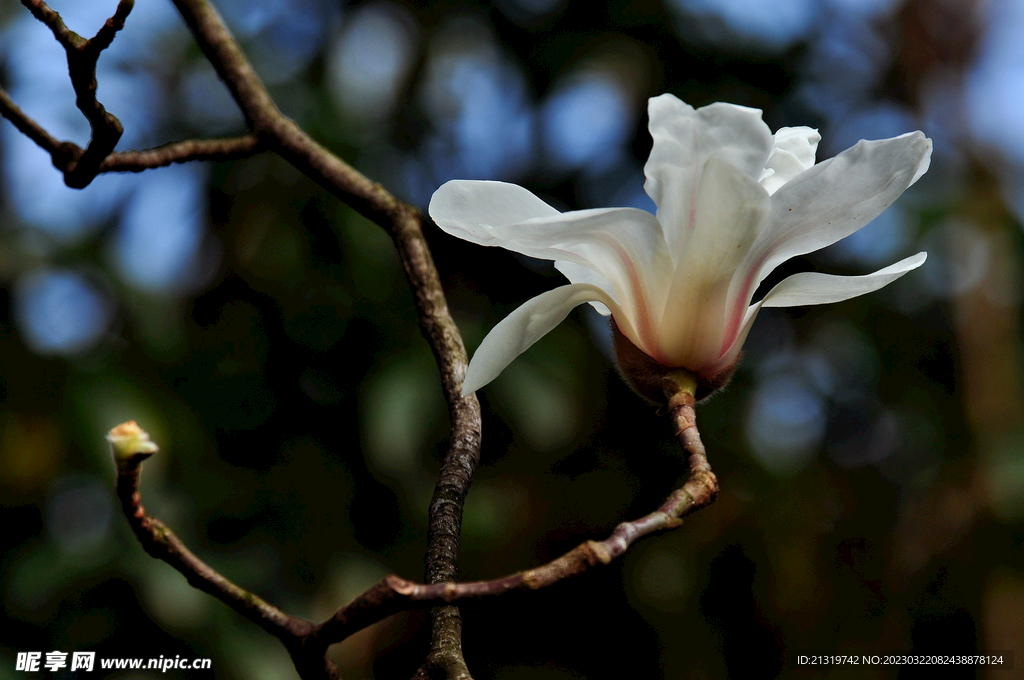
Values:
[(130, 444)]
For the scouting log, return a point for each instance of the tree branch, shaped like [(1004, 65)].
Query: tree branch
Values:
[(110, 28), (131, 446), (405, 225), (66, 154), (226, 149), (80, 166), (65, 36), (308, 642), (30, 128), (394, 594), (82, 56)]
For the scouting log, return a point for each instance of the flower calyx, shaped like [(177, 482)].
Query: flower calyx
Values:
[(648, 377)]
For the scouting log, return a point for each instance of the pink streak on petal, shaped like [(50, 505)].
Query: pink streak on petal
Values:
[(645, 329)]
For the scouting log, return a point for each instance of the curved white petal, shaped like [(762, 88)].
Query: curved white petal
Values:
[(470, 208), (526, 325), (839, 196), (730, 210), (828, 202), (792, 153), (684, 140), (813, 288), (577, 273), (624, 245)]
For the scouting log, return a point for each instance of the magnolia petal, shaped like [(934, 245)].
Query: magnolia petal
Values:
[(924, 164), (813, 288), (579, 274), (683, 141), (526, 325), (793, 153), (800, 141), (469, 209), (826, 203), (625, 246), (834, 199), (731, 209)]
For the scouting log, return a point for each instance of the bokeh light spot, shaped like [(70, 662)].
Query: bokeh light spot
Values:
[(157, 245), (369, 62), (785, 423), (586, 123), (772, 24), (60, 312)]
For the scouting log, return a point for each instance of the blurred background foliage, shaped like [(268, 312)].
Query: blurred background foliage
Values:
[(871, 453)]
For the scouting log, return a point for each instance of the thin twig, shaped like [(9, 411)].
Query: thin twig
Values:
[(82, 55), (105, 35), (394, 594), (65, 36), (131, 446), (227, 149), (161, 543), (63, 154), (80, 166), (308, 643)]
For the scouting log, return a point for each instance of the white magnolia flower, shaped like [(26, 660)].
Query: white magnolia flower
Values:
[(734, 202)]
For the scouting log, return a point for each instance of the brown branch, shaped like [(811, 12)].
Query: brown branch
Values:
[(65, 154), (394, 594), (80, 166), (405, 225), (65, 36), (307, 643), (82, 55), (227, 149), (131, 446), (110, 28), (62, 153), (26, 125), (161, 543)]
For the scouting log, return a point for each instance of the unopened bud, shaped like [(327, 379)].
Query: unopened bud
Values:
[(130, 444)]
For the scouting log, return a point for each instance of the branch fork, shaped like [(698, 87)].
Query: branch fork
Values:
[(81, 166), (308, 642)]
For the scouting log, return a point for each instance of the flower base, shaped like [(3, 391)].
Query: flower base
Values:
[(646, 376)]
